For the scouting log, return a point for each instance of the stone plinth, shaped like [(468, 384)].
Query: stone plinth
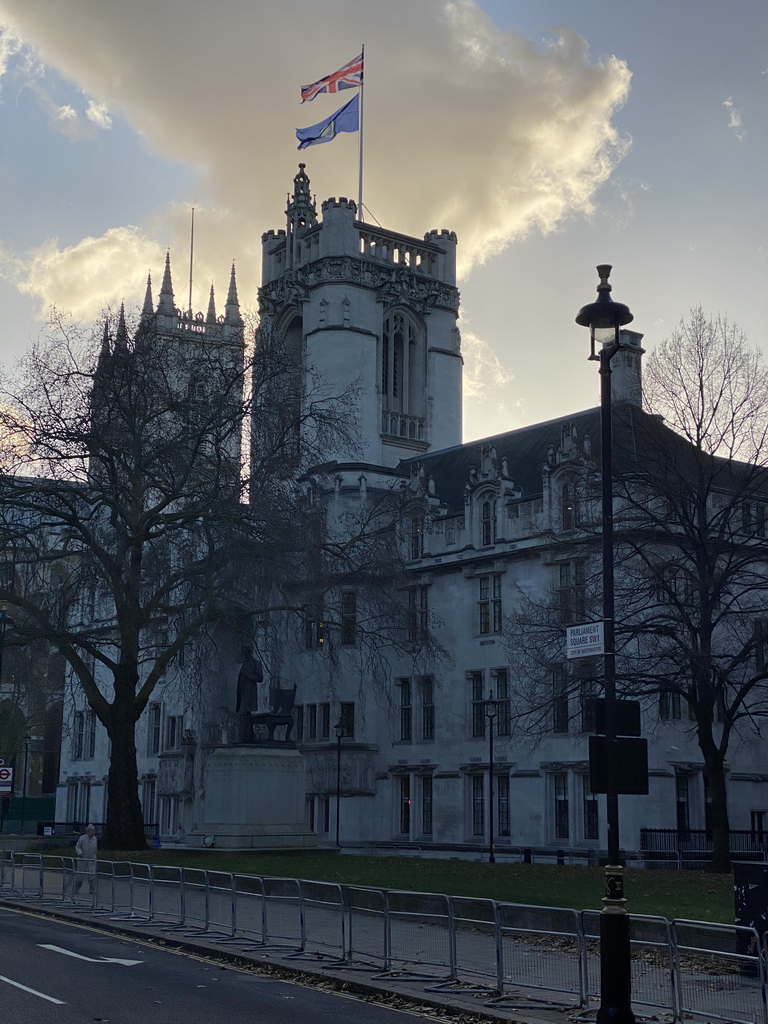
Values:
[(253, 799)]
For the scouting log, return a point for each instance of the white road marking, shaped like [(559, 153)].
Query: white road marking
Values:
[(100, 960), (25, 988)]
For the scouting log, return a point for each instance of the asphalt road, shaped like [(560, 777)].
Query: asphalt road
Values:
[(53, 972)]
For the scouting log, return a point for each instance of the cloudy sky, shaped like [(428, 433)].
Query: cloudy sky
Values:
[(551, 135)]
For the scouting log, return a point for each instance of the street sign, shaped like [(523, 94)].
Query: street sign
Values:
[(584, 641), (6, 780)]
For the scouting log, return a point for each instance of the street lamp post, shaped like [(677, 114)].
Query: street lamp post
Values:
[(605, 318), (339, 730), (491, 709), (27, 740)]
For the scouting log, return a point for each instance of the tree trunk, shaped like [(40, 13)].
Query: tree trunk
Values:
[(125, 824), (721, 847)]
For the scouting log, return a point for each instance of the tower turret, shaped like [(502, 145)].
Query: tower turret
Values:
[(372, 313)]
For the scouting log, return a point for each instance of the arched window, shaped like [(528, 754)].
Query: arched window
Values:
[(403, 374)]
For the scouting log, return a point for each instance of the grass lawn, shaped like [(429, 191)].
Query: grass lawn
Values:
[(696, 895)]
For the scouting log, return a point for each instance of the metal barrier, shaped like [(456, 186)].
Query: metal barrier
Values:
[(222, 905), (504, 950), (526, 935), (366, 926), (418, 935), (283, 914), (730, 960), (652, 963), (324, 922), (476, 946), (167, 896)]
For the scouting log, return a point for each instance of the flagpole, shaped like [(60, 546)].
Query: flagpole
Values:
[(360, 215), (191, 256)]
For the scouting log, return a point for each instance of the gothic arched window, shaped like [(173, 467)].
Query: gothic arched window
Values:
[(403, 373)]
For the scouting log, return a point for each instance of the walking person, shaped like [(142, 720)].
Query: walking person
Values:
[(85, 848)]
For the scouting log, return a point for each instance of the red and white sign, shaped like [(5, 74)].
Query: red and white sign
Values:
[(6, 780)]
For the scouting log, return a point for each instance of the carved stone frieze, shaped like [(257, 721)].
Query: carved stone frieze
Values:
[(392, 284)]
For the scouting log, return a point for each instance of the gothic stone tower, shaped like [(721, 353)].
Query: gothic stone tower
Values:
[(373, 314)]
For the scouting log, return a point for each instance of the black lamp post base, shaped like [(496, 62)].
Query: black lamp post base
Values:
[(615, 969)]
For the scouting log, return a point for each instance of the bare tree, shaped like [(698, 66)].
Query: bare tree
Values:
[(123, 508), (691, 553)]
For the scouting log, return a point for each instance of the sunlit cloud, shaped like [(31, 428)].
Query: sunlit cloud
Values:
[(492, 136), (95, 273)]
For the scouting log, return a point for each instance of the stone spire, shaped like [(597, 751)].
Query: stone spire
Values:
[(211, 317), (232, 308), (148, 307), (165, 305), (105, 353), (121, 337)]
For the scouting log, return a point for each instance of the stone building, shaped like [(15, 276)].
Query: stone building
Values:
[(504, 524)]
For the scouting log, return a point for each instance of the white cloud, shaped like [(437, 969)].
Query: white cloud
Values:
[(466, 126), (487, 388), (66, 113), (98, 114), (735, 122)]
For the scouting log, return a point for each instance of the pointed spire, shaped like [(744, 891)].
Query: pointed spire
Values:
[(165, 305), (232, 309), (105, 352), (121, 338), (211, 317), (302, 212), (148, 307)]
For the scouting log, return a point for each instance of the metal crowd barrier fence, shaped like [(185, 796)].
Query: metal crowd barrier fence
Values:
[(509, 951), (731, 960), (417, 936), (652, 964), (475, 938), (366, 926), (527, 935)]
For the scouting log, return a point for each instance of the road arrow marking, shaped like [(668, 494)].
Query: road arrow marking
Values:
[(90, 959)]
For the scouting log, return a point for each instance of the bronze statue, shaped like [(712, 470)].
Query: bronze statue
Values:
[(248, 680)]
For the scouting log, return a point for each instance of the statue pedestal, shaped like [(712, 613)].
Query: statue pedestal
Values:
[(253, 799)]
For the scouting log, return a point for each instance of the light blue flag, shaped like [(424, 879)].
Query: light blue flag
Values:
[(347, 119)]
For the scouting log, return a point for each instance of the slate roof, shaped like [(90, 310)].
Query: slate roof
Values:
[(525, 450)]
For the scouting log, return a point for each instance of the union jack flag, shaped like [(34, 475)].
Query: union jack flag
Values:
[(348, 77)]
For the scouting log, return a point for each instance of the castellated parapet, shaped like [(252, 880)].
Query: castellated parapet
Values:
[(340, 234)]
